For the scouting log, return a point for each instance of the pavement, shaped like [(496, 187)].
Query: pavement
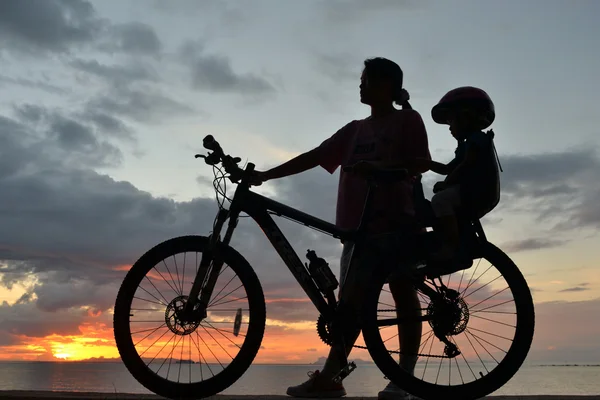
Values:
[(34, 395)]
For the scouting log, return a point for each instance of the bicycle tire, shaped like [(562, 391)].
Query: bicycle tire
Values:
[(479, 388), (239, 364)]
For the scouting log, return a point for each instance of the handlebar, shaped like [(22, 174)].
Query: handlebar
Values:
[(218, 156)]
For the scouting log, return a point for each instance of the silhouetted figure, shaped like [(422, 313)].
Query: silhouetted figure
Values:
[(387, 138)]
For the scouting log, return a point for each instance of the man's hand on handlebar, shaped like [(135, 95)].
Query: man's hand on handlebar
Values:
[(257, 178)]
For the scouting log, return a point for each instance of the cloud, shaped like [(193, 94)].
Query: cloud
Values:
[(63, 138), (574, 338), (576, 289), (117, 74), (313, 349), (47, 25), (553, 187), (532, 244), (339, 67), (135, 38), (143, 105), (214, 73), (350, 11), (29, 83)]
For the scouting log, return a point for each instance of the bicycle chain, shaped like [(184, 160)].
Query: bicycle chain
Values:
[(393, 351)]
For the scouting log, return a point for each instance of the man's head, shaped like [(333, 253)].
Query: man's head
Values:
[(381, 83)]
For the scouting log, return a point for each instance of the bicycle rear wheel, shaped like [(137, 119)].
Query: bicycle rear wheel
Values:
[(154, 342), (480, 317)]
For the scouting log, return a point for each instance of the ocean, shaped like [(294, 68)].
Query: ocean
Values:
[(366, 380)]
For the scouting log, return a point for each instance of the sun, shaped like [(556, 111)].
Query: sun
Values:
[(62, 356)]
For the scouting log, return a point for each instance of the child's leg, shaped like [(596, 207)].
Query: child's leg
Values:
[(444, 203)]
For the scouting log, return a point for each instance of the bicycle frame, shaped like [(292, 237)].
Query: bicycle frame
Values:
[(259, 207)]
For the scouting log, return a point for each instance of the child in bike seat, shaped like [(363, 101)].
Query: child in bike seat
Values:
[(471, 182)]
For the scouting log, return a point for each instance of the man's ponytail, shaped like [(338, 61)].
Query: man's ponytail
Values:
[(402, 99)]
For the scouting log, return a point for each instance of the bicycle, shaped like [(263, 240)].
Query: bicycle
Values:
[(446, 310)]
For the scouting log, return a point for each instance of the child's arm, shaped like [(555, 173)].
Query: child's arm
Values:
[(414, 165)]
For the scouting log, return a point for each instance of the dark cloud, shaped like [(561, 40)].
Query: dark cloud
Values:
[(134, 38), (64, 138), (108, 124), (553, 187), (532, 244), (28, 320), (214, 73), (575, 289), (47, 25), (547, 174), (140, 104)]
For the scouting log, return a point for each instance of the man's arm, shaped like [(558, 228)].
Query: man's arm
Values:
[(296, 165)]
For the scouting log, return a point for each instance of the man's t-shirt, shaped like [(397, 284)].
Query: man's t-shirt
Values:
[(402, 136)]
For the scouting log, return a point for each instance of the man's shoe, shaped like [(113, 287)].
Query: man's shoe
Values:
[(393, 392), (317, 387)]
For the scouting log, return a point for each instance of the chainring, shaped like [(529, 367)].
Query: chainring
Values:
[(323, 331)]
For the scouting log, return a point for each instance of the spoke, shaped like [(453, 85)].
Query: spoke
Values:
[(497, 322), (472, 275), (439, 369), (177, 274), (168, 341), (486, 350), (231, 301), (180, 358), (481, 287), (216, 302), (220, 345), (491, 344), (464, 358), (148, 335), (461, 280), (220, 291), (183, 275), (476, 352), (201, 356), (427, 362), (170, 358), (493, 334), (221, 332), (156, 298), (209, 349), (154, 342), (169, 271), (494, 295), (150, 301), (495, 305)]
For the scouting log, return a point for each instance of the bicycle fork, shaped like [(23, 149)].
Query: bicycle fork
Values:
[(209, 268)]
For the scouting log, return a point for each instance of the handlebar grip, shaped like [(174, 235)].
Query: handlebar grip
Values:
[(210, 143)]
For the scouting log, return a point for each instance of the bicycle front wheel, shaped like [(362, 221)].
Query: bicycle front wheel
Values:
[(188, 359), (487, 315)]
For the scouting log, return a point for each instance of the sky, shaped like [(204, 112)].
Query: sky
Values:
[(103, 105)]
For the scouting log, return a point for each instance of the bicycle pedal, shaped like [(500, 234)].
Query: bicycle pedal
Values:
[(344, 372)]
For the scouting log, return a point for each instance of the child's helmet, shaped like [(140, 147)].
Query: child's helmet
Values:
[(466, 97)]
